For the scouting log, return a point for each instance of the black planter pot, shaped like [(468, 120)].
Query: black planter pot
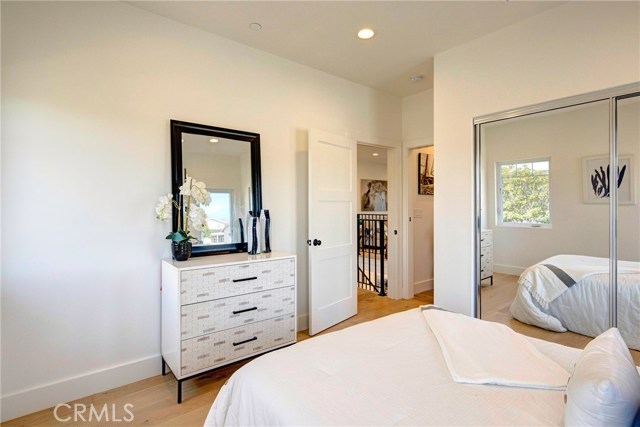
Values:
[(181, 250)]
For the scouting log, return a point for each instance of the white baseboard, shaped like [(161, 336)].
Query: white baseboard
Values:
[(34, 399), (508, 269), (423, 285), (302, 323)]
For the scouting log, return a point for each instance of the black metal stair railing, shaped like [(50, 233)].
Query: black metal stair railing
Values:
[(372, 252)]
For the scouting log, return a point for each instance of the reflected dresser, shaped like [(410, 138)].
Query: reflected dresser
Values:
[(220, 309), (486, 255)]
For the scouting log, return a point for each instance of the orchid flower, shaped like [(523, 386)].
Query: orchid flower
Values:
[(163, 209), (193, 194)]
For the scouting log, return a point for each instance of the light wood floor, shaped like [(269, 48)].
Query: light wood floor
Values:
[(154, 399)]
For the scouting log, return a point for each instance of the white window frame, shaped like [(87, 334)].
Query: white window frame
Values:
[(499, 208)]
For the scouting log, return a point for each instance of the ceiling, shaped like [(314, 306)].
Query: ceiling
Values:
[(366, 153), (322, 34), (201, 145)]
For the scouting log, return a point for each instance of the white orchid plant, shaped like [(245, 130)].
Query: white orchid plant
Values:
[(191, 216)]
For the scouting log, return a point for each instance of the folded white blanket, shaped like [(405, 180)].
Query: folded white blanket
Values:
[(550, 278), (481, 352)]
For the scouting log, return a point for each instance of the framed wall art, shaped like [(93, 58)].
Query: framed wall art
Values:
[(597, 179)]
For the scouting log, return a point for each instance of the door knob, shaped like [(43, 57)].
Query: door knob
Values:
[(309, 242), (317, 242)]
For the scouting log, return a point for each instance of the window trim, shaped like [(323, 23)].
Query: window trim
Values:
[(499, 198)]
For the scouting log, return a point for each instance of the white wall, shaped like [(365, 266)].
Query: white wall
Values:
[(571, 49), (417, 119), (88, 91), (417, 131), (565, 137)]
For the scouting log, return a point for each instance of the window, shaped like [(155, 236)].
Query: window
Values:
[(219, 215), (523, 193)]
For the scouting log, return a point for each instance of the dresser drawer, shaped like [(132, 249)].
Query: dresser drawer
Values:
[(217, 315), (486, 261), (222, 347), (220, 282), (486, 238)]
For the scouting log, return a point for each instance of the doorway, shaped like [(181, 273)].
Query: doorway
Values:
[(419, 196), (372, 222)]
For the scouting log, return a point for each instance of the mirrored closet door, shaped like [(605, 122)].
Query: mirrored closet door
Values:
[(547, 217), (627, 115)]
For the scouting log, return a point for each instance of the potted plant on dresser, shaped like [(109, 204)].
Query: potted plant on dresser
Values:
[(193, 196)]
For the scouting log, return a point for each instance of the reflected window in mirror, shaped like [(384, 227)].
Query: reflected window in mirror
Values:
[(523, 193), (222, 218), (228, 162)]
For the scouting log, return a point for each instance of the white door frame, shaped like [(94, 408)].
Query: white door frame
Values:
[(407, 215), (394, 210)]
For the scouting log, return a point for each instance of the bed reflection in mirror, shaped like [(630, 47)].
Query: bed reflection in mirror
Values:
[(225, 166), (546, 218)]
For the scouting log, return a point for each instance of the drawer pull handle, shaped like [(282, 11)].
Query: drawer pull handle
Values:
[(245, 279), (481, 255), (245, 341), (203, 339), (206, 316), (245, 310)]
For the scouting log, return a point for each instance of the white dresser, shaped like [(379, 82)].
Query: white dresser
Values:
[(220, 309), (486, 255)]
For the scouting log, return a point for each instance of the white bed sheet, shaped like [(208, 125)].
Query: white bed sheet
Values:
[(386, 372), (584, 308)]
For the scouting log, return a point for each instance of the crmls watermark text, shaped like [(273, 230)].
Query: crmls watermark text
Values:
[(104, 413)]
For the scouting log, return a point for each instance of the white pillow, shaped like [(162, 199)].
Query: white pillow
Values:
[(604, 389)]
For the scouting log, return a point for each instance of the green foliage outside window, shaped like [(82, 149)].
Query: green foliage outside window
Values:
[(525, 192)]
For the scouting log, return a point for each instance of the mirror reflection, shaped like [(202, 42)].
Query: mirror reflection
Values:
[(226, 162), (544, 249), (224, 165)]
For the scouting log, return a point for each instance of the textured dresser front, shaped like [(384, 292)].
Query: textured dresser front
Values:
[(486, 254), (230, 312)]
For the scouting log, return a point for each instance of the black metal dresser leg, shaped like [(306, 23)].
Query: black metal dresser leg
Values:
[(179, 391), (164, 367)]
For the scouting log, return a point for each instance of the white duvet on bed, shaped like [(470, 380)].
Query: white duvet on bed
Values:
[(584, 308), (386, 372)]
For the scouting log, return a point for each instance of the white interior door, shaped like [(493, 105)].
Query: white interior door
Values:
[(333, 293)]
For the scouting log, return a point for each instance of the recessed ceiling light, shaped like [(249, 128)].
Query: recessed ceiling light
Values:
[(375, 154), (417, 78), (213, 141), (255, 26), (366, 33)]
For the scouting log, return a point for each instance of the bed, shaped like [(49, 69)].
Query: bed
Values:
[(543, 299), (390, 371)]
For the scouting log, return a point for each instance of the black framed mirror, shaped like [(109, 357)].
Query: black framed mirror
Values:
[(228, 162)]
